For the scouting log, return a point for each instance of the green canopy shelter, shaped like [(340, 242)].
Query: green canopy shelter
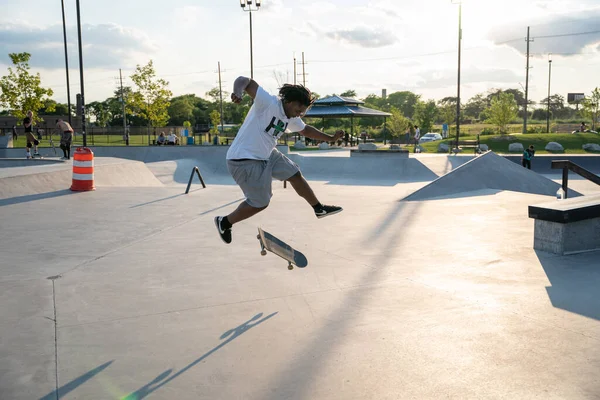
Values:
[(344, 107)]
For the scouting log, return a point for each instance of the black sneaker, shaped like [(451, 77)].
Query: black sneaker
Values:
[(224, 233), (327, 210)]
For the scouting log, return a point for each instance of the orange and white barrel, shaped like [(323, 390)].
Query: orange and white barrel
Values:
[(83, 170)]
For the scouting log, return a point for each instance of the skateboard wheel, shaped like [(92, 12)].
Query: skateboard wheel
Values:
[(290, 267), (263, 252), (258, 236)]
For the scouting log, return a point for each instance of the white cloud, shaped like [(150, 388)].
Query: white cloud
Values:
[(362, 36), (569, 33), (104, 45)]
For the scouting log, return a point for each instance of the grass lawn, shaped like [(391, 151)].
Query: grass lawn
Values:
[(572, 143)]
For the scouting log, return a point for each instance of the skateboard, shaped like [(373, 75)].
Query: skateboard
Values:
[(280, 248)]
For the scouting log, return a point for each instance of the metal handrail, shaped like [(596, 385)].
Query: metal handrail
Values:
[(197, 171), (567, 165)]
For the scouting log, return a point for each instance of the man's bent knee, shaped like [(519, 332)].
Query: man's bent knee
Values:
[(295, 177)]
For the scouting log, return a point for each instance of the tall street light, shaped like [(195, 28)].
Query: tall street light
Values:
[(548, 111), (458, 80), (244, 4), (81, 77), (66, 60)]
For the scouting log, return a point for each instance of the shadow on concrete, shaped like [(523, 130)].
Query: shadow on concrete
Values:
[(75, 383), (162, 379), (295, 380), (34, 197), (575, 281)]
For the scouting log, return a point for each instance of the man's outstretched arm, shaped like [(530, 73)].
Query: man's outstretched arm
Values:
[(243, 84), (311, 132)]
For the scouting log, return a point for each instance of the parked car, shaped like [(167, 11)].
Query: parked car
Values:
[(430, 137)]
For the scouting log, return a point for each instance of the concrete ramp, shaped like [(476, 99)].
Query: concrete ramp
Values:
[(487, 173), (24, 181), (369, 170)]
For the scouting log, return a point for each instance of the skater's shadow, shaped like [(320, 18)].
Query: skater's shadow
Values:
[(34, 197), (162, 379)]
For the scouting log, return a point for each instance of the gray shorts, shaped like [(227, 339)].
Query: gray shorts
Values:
[(255, 176)]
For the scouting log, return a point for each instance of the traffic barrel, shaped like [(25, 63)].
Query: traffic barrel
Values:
[(83, 170)]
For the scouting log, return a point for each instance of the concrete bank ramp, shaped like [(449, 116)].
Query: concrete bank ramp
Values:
[(368, 171), (24, 181), (484, 175)]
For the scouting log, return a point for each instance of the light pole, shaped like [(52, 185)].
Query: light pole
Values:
[(62, 2), (458, 80), (244, 4), (548, 111), (83, 133)]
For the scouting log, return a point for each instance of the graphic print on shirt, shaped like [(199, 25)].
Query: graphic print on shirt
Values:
[(279, 128)]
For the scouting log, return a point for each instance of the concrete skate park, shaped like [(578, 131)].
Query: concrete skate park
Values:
[(426, 286)]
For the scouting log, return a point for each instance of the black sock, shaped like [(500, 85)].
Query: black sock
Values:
[(68, 152), (225, 224), (317, 206)]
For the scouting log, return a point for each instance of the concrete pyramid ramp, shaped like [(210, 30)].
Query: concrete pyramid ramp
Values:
[(484, 173)]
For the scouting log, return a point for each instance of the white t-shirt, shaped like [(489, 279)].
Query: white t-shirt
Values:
[(265, 123), (418, 133)]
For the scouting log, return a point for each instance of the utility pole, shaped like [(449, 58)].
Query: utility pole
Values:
[(526, 84), (548, 109), (303, 72), (125, 133), (221, 96), (294, 69)]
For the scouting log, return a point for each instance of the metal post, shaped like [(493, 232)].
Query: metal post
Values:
[(526, 85), (66, 61), (125, 133), (565, 180), (221, 96), (81, 77), (251, 57), (548, 112), (458, 81)]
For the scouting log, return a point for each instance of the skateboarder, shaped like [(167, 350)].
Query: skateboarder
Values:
[(31, 139), (527, 156), (66, 136), (253, 159)]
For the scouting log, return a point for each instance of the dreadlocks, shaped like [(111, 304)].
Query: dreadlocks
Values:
[(299, 93)]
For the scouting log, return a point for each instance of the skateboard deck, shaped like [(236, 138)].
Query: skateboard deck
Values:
[(276, 246)]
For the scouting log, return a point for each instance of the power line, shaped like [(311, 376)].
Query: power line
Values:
[(566, 34)]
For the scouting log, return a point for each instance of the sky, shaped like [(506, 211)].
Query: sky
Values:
[(361, 45)]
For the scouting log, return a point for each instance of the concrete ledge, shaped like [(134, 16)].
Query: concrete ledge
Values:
[(567, 226), (379, 153), (567, 211), (562, 239)]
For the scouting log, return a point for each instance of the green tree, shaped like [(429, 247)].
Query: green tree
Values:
[(591, 107), (22, 91), (51, 107), (424, 116), (502, 110), (558, 109), (475, 106), (181, 109), (151, 100), (397, 123), (349, 93), (101, 111), (215, 120)]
